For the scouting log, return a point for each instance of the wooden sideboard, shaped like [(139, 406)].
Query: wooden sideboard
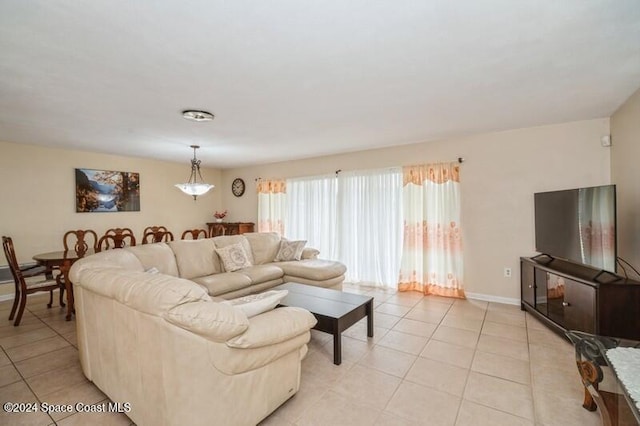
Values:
[(229, 228)]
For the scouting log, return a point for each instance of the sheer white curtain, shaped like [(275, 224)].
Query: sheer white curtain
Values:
[(397, 228), (272, 206), (432, 245), (370, 225), (311, 213)]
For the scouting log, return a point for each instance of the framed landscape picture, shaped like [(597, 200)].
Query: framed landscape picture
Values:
[(107, 191)]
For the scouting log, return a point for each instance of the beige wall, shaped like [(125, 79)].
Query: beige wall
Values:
[(499, 176), (501, 173), (625, 173), (37, 204)]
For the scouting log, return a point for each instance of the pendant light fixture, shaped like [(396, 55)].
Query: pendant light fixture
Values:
[(196, 185)]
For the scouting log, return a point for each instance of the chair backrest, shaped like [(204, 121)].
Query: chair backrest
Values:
[(108, 242), (195, 234), (10, 254), (156, 234), (80, 245), (120, 237)]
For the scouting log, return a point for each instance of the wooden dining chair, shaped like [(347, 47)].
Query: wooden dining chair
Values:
[(108, 242), (122, 237), (26, 287), (195, 234), (80, 240), (156, 234)]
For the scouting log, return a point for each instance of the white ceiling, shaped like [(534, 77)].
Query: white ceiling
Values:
[(291, 79)]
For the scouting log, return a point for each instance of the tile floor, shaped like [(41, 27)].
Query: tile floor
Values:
[(433, 361)]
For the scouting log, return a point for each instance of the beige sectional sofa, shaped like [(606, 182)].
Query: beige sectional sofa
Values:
[(196, 260), (150, 334)]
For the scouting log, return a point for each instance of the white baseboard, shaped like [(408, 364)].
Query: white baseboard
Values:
[(490, 298)]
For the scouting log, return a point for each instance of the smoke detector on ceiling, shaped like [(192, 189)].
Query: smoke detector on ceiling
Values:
[(195, 115)]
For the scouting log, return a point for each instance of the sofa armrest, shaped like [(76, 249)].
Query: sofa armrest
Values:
[(275, 326), (309, 253), (212, 320)]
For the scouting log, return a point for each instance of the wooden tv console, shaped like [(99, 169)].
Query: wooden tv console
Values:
[(566, 296)]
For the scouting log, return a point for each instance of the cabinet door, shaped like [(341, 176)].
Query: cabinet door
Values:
[(579, 307), (243, 228), (556, 290), (217, 229), (232, 229), (527, 283), (541, 291)]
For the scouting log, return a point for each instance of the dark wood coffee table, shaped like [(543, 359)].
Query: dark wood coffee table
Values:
[(335, 311)]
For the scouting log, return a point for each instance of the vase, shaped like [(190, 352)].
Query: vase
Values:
[(218, 220)]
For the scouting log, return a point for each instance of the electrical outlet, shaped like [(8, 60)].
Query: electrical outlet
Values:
[(507, 272)]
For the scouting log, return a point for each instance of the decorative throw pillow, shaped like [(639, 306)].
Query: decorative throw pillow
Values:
[(233, 257), (255, 304), (290, 250)]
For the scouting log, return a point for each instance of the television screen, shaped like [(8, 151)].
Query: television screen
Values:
[(578, 225)]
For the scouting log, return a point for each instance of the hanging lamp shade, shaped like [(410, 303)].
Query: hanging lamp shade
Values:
[(196, 185)]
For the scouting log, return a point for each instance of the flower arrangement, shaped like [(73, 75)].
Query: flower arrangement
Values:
[(220, 215)]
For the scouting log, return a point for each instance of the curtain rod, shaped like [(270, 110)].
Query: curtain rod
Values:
[(459, 160)]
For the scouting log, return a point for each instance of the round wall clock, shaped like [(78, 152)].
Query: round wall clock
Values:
[(237, 187)]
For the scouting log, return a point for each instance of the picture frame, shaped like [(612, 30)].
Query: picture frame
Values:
[(106, 191)]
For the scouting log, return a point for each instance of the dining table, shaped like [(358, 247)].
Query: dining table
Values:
[(63, 260)]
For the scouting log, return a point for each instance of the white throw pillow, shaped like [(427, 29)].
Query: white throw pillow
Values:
[(255, 304), (233, 257), (290, 250)]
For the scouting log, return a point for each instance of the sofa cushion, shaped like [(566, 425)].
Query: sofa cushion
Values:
[(278, 325), (159, 255), (150, 293), (233, 257), (290, 250), (264, 246), (210, 319), (261, 273), (224, 282), (155, 294), (196, 258), (255, 304), (315, 269), (115, 258), (334, 283), (253, 288), (227, 240)]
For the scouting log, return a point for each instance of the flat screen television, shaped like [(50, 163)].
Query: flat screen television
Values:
[(578, 225)]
